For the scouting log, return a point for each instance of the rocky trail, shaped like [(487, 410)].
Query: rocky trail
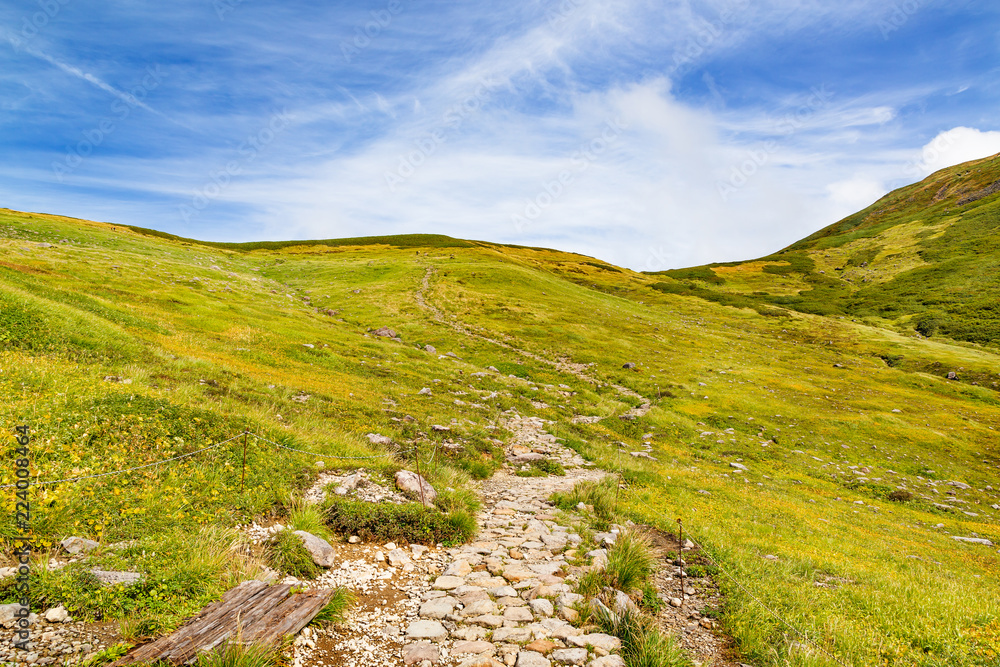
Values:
[(505, 599)]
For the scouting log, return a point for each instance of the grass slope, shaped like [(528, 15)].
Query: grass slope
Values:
[(923, 258), (121, 348)]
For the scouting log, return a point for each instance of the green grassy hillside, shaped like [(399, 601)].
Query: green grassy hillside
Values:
[(119, 347), (924, 258)]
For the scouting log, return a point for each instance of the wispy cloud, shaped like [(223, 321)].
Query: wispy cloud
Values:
[(457, 118)]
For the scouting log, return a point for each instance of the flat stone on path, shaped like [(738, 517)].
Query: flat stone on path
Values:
[(447, 583), (531, 659), (518, 614), (472, 647), (426, 630), (438, 608), (512, 635), (419, 652), (597, 640), (608, 661), (570, 656), (543, 646)]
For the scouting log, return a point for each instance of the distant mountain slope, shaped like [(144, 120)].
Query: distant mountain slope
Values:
[(924, 257)]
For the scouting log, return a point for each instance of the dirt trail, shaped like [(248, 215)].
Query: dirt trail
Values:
[(562, 365)]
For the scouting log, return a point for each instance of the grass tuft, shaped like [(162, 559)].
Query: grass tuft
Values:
[(236, 654), (287, 554), (335, 610)]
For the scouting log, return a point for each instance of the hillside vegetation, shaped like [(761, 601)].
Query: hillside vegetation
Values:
[(924, 258), (825, 464)]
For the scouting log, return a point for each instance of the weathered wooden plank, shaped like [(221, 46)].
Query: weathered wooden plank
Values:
[(252, 611), (289, 617), (211, 635), (234, 596)]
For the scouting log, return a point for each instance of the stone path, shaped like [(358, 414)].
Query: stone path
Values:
[(505, 599)]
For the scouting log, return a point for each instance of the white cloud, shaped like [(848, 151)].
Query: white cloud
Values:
[(957, 145)]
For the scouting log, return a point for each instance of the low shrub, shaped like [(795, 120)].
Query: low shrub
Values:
[(409, 522)]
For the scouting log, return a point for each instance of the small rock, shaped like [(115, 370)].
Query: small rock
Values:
[(110, 578), (542, 607), (353, 539), (398, 558), (411, 483), (385, 332), (628, 366), (425, 392), (57, 615), (431, 349), (973, 540), (378, 439), (320, 550), (77, 545)]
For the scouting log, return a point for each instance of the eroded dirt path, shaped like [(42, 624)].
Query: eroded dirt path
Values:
[(563, 365)]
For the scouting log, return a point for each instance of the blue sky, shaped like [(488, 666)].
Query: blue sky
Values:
[(653, 134)]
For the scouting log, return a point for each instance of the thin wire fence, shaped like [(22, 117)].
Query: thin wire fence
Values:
[(746, 590), (110, 473)]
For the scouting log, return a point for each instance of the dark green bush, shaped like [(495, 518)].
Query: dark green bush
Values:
[(409, 522)]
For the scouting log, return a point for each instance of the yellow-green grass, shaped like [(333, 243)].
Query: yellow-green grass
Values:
[(205, 365)]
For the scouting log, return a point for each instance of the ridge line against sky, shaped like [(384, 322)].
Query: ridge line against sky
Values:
[(649, 134)]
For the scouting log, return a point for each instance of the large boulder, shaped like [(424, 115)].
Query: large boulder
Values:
[(320, 550), (411, 483)]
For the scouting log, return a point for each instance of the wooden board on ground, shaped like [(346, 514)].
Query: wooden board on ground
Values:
[(250, 612)]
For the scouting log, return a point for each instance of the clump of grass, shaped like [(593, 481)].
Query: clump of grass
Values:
[(137, 628), (542, 468), (308, 517), (237, 654), (409, 522), (642, 644), (108, 655), (335, 610), (631, 562), (600, 495), (458, 500), (287, 554)]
